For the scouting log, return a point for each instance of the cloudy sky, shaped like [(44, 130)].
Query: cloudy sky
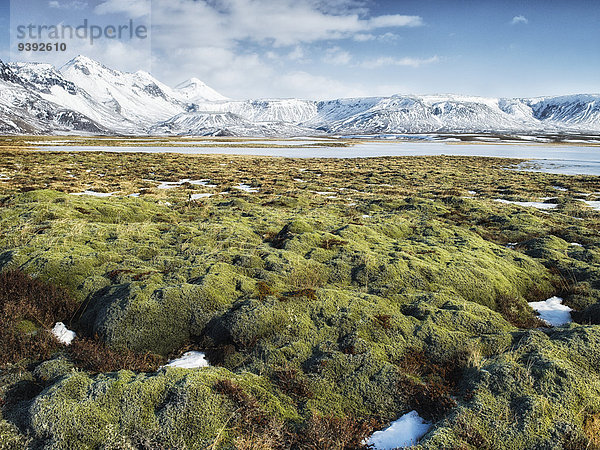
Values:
[(336, 48)]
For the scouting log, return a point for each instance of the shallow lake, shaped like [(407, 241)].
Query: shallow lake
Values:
[(565, 159)]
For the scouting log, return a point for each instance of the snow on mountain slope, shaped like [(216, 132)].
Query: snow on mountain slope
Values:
[(424, 114), (210, 123), (517, 109), (86, 96), (136, 96), (195, 91), (403, 114), (190, 122), (8, 75), (579, 111), (293, 111), (53, 87), (24, 110), (333, 110)]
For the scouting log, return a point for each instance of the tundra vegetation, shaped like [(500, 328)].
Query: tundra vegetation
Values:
[(330, 297)]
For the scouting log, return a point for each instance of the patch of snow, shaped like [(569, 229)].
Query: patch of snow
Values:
[(134, 195), (405, 431), (168, 185), (94, 194), (174, 184), (552, 311), (245, 188), (560, 188), (198, 196), (324, 192), (298, 180), (64, 335), (472, 192), (4, 177), (538, 205), (189, 360), (205, 183), (576, 244), (593, 204)]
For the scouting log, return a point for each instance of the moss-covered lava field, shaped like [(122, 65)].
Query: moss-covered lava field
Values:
[(330, 296)]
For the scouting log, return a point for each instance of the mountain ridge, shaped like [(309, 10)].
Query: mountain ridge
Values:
[(85, 96)]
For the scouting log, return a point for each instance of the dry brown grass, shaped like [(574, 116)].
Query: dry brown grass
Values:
[(94, 356), (330, 432), (591, 428), (28, 309), (431, 386)]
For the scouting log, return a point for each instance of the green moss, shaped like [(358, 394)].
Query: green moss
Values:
[(310, 304), (26, 327), (53, 369), (10, 438), (178, 408), (532, 395)]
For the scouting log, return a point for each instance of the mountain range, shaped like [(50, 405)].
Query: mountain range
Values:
[(86, 97)]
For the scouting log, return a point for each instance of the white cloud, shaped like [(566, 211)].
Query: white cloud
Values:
[(364, 37), (253, 48), (305, 85), (72, 5), (406, 62), (337, 56), (132, 8), (297, 54), (519, 20), (280, 23), (385, 37), (395, 20)]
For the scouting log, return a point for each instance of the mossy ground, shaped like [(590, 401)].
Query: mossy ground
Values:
[(341, 290)]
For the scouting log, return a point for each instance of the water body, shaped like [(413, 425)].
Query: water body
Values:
[(563, 159)]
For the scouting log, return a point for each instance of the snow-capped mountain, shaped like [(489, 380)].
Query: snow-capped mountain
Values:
[(23, 108), (209, 123), (425, 114), (137, 97), (53, 87), (581, 111), (195, 91), (85, 96)]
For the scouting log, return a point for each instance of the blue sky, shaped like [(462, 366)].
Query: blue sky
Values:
[(339, 48)]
